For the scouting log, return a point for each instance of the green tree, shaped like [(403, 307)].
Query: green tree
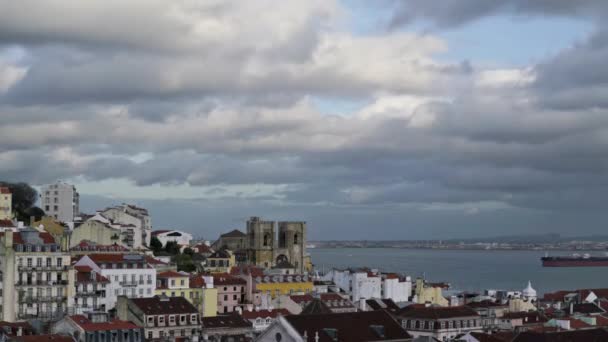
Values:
[(184, 263), (172, 248), (156, 245), (189, 251)]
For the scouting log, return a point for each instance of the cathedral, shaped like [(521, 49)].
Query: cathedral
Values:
[(262, 246), (266, 249)]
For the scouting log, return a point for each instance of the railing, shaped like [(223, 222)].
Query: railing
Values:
[(128, 283), (41, 283), (31, 299), (42, 268)]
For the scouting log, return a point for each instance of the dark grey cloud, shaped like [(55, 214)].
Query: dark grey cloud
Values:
[(452, 13)]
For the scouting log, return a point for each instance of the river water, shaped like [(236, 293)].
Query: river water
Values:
[(467, 270)]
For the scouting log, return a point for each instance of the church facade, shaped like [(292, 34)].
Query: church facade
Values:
[(273, 243)]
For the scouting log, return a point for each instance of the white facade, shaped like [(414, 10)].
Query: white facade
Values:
[(129, 215), (529, 293), (397, 289), (181, 238), (358, 284), (129, 275), (61, 201)]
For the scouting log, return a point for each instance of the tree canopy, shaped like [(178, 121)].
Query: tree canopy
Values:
[(24, 200)]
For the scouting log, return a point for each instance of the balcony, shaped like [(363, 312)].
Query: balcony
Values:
[(128, 283), (42, 268), (40, 299)]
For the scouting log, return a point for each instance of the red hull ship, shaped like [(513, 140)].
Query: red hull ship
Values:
[(574, 261)]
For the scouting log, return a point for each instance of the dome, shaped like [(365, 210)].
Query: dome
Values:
[(529, 292)]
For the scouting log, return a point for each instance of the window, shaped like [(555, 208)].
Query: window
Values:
[(59, 262), (172, 282), (234, 297), (268, 320), (148, 291), (161, 319), (225, 297), (149, 335), (29, 262), (182, 319), (193, 319), (183, 294), (38, 262), (295, 239), (182, 282), (49, 262), (150, 320), (171, 319)]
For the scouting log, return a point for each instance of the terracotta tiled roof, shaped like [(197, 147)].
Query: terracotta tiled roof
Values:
[(348, 327), (87, 325), (165, 306), (7, 223), (225, 321), (153, 261), (482, 337), (264, 313), (172, 274), (120, 259), (11, 328), (486, 304), (91, 246), (85, 277), (4, 190), (227, 279), (197, 282), (247, 269), (433, 312)]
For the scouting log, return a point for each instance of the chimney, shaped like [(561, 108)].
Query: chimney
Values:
[(571, 308), (362, 304)]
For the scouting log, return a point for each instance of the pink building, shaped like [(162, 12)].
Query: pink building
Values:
[(230, 292)]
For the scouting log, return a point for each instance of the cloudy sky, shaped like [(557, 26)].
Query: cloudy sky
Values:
[(387, 119)]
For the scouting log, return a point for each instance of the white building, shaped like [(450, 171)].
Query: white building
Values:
[(35, 276), (61, 201), (129, 275), (359, 284), (91, 292), (529, 293), (126, 215), (181, 238), (397, 288)]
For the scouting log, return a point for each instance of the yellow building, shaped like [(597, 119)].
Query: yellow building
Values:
[(51, 225), (194, 289), (6, 203), (220, 261), (430, 293), (277, 285)]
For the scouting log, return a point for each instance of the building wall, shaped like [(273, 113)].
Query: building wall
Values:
[(6, 206), (61, 201), (285, 288), (357, 284), (97, 232), (398, 291), (229, 297), (118, 215), (210, 308), (144, 284)]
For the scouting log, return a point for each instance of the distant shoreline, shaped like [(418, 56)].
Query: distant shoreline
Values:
[(557, 249)]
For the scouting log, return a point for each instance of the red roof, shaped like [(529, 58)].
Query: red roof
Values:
[(578, 324), (197, 282), (153, 261), (171, 274), (227, 279), (264, 313), (46, 238), (5, 190), (202, 248), (6, 223), (90, 246), (601, 321), (85, 276), (87, 325), (247, 269)]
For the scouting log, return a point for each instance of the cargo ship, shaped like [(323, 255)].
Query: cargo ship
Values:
[(575, 260)]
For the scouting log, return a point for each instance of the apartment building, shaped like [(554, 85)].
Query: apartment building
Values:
[(129, 275), (61, 201), (161, 317), (6, 203), (34, 275), (90, 291)]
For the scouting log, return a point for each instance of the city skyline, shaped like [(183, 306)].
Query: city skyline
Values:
[(402, 118)]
